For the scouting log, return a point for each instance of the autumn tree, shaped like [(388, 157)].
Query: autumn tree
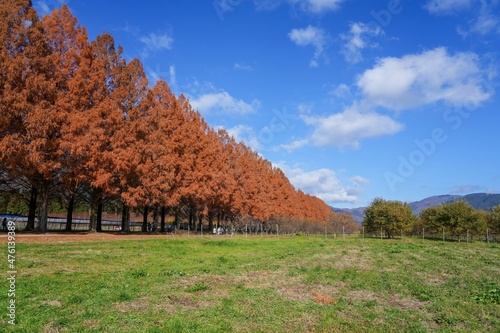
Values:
[(68, 44), (19, 28), (31, 144), (96, 118), (124, 171), (76, 118), (154, 143)]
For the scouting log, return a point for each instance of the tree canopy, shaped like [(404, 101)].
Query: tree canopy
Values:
[(392, 217), (456, 218)]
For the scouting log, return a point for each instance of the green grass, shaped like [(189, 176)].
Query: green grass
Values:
[(256, 284)]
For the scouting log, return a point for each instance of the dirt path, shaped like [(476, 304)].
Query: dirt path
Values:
[(55, 237)]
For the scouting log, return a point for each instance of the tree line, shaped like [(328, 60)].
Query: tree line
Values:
[(457, 219), (80, 122)]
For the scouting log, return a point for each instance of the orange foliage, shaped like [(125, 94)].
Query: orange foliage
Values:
[(84, 115)]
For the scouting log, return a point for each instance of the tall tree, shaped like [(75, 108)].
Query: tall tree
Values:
[(68, 43), (19, 26), (96, 116), (31, 135), (154, 148), (126, 141)]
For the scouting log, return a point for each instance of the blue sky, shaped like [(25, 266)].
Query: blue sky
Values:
[(351, 99)]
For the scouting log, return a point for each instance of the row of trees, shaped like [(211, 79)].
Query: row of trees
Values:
[(457, 219), (78, 120)]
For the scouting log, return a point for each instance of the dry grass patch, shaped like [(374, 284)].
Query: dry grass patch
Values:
[(287, 286), (392, 300), (137, 305), (55, 303), (354, 258)]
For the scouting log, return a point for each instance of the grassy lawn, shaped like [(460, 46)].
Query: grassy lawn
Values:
[(256, 284)]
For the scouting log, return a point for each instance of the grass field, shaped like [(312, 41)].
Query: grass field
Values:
[(256, 284)]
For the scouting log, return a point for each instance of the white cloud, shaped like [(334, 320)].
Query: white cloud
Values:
[(305, 108), (421, 79), (297, 144), (486, 21), (225, 5), (243, 67), (444, 7), (246, 134), (267, 4), (346, 129), (482, 17), (317, 7), (342, 91), (359, 181), (398, 84), (325, 184), (320, 6), (222, 102), (310, 36), (157, 41), (357, 39)]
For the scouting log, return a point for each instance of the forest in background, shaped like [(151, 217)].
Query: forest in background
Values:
[(80, 124)]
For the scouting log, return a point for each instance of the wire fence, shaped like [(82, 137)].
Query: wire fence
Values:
[(59, 224), (82, 224)]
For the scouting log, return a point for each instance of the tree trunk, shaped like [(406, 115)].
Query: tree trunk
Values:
[(145, 218), (176, 218), (44, 207), (200, 222), (99, 216), (125, 218), (30, 226), (69, 215), (95, 198), (191, 217), (210, 220), (163, 212)]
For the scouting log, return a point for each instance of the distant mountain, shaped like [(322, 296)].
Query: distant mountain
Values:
[(481, 201), (418, 206), (357, 213)]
